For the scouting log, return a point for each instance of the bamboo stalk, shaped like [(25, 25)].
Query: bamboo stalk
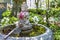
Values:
[(47, 13), (10, 33)]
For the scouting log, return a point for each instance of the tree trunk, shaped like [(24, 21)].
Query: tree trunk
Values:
[(47, 15)]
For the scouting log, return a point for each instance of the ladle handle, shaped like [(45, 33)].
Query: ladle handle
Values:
[(11, 32)]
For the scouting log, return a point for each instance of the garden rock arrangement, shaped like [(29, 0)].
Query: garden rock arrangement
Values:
[(46, 36)]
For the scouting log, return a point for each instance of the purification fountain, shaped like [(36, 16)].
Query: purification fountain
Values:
[(23, 26)]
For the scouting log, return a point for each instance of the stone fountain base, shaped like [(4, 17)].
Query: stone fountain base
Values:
[(46, 36)]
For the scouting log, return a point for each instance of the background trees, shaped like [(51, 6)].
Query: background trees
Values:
[(16, 6)]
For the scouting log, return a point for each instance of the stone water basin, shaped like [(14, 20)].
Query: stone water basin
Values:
[(48, 35)]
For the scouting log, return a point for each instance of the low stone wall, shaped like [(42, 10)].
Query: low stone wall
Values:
[(48, 35)]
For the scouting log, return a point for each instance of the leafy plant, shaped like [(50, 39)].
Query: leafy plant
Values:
[(40, 11), (7, 18), (52, 3), (32, 10), (7, 13), (35, 18)]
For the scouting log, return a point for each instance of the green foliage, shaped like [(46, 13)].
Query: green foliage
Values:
[(56, 31), (58, 1), (7, 18), (40, 11), (33, 15), (54, 27), (52, 3), (12, 20), (6, 13), (53, 12), (32, 10), (37, 30), (57, 35)]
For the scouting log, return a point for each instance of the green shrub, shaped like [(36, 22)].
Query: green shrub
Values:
[(39, 18), (32, 10), (54, 12), (39, 11), (57, 35), (54, 27), (7, 18), (7, 13)]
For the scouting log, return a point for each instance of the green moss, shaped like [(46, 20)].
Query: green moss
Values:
[(36, 30)]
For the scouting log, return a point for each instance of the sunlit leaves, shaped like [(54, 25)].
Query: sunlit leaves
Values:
[(6, 13)]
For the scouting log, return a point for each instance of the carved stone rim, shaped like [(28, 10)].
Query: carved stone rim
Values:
[(47, 31)]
